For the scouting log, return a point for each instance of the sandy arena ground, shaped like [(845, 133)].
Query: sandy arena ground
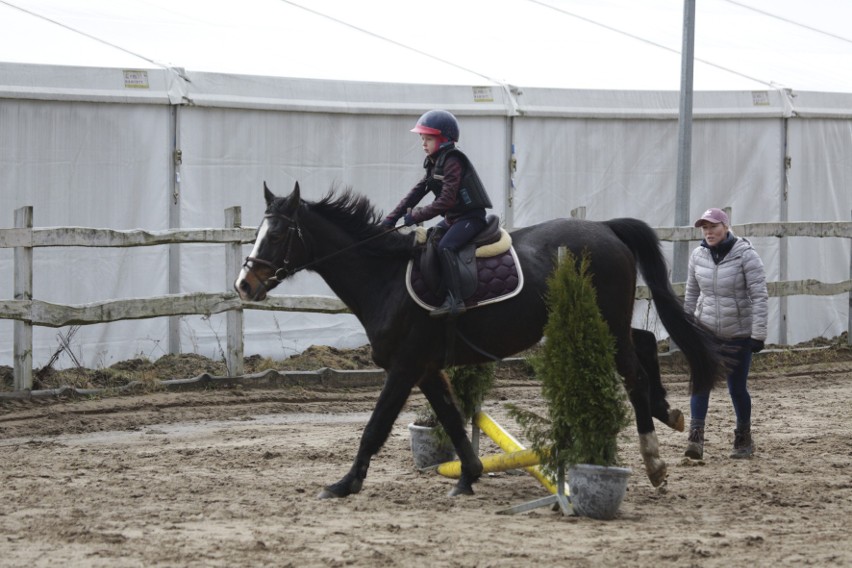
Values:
[(229, 477)]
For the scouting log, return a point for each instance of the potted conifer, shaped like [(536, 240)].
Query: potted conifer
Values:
[(586, 399), (430, 444)]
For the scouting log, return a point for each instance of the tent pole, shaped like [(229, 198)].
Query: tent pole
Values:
[(512, 94), (174, 222), (509, 215), (684, 146), (786, 162)]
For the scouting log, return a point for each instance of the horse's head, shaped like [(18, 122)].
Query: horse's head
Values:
[(279, 248)]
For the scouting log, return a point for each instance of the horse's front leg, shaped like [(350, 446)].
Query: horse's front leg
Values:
[(437, 390), (390, 403)]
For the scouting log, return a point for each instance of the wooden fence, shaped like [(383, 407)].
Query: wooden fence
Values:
[(28, 311)]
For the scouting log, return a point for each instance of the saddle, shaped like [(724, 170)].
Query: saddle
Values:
[(488, 268)]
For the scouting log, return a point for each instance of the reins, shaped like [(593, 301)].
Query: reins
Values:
[(296, 228)]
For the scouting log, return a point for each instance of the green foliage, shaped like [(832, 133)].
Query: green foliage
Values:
[(586, 399), (469, 384), (537, 430)]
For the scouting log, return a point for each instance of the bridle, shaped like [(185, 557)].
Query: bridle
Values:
[(295, 231)]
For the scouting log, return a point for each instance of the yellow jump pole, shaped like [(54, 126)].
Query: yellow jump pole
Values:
[(507, 443), (494, 462)]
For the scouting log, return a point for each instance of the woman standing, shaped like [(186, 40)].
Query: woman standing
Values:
[(726, 291)]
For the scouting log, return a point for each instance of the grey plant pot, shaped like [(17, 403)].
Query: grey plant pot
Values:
[(427, 448), (597, 491)]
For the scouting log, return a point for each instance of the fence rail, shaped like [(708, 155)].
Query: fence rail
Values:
[(37, 312), (28, 311)]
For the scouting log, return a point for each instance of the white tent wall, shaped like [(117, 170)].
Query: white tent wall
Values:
[(87, 164), (820, 189), (618, 150), (91, 151), (615, 153)]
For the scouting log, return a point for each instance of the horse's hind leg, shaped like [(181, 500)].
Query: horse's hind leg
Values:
[(646, 350), (437, 390), (391, 400), (638, 390)]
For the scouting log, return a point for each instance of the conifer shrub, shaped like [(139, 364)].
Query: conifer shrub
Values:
[(469, 384), (586, 398)]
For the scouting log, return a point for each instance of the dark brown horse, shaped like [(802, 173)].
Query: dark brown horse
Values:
[(339, 237)]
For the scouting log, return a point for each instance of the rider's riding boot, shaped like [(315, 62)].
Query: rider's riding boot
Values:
[(453, 305)]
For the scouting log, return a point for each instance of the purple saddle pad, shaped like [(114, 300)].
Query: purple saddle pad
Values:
[(500, 278)]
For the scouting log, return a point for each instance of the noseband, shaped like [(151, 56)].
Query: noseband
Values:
[(294, 230)]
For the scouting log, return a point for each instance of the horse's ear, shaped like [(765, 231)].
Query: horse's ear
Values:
[(268, 195), (294, 199)]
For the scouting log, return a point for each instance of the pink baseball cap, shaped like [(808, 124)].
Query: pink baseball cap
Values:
[(714, 215)]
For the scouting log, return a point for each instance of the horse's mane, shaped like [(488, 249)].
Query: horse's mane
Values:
[(357, 216)]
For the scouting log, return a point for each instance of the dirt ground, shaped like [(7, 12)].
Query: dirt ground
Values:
[(229, 477)]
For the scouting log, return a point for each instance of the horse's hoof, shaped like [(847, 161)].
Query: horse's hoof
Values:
[(343, 488), (659, 474), (326, 493), (676, 420), (456, 491)]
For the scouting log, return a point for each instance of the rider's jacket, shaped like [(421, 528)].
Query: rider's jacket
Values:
[(455, 183)]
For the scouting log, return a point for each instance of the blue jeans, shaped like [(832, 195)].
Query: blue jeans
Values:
[(740, 353)]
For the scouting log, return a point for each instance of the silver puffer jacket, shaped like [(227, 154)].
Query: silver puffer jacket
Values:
[(729, 298)]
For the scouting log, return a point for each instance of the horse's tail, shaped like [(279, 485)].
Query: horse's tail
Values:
[(701, 348)]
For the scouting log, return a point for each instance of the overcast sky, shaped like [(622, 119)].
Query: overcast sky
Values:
[(600, 44)]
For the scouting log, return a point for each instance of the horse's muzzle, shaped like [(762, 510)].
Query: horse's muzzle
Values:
[(249, 293)]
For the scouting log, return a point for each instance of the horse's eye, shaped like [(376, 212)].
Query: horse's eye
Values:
[(276, 237)]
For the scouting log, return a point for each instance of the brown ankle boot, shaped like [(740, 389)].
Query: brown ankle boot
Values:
[(695, 444), (743, 445)]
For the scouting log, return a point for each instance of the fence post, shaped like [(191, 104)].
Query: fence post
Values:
[(22, 348), (849, 315), (234, 318)]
